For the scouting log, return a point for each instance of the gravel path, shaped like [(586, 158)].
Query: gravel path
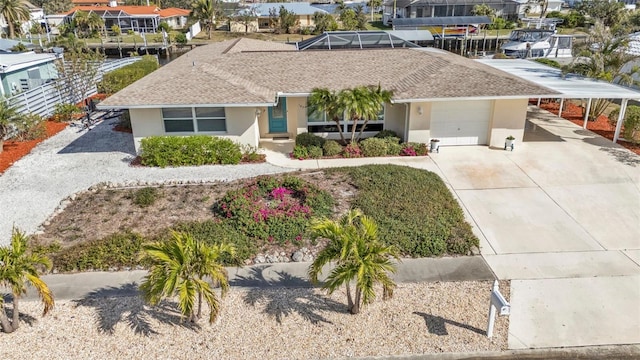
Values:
[(266, 324), (74, 160)]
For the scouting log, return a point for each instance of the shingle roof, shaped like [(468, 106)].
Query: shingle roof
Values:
[(222, 74)]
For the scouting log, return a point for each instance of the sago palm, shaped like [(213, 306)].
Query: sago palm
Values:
[(14, 12), (19, 268), (358, 256), (179, 268)]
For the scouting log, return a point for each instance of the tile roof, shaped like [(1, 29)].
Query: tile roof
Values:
[(230, 72), (169, 12)]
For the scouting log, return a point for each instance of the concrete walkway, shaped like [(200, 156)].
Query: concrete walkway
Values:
[(560, 216)]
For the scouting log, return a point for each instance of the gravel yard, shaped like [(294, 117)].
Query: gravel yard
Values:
[(275, 323)]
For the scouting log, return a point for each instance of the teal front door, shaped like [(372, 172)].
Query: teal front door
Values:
[(278, 117)]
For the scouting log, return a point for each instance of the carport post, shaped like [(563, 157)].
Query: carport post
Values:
[(586, 114), (623, 109), (539, 100), (560, 109)]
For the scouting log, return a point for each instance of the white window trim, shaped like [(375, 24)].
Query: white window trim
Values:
[(194, 120)]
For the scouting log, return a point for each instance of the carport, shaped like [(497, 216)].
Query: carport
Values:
[(569, 86)]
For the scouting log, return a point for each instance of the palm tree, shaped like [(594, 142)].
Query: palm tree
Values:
[(605, 57), (374, 4), (18, 268), (205, 12), (14, 12), (94, 21), (179, 268), (363, 103), (326, 102), (8, 115), (358, 254)]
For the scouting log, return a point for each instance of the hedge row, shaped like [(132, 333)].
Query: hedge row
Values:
[(163, 151), (118, 79)]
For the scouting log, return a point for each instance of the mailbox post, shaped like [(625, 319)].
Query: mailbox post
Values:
[(497, 302)]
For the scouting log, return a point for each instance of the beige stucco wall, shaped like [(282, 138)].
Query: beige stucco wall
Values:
[(237, 26), (509, 117), (144, 123), (394, 118), (419, 122), (296, 115), (241, 125)]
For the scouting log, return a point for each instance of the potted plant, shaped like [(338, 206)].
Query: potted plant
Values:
[(509, 142), (434, 145)]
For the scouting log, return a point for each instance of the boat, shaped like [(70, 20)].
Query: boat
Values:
[(537, 43)]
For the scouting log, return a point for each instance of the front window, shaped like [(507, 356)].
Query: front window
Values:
[(194, 120), (320, 123)]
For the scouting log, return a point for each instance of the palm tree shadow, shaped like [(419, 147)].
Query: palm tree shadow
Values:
[(436, 324), (25, 318), (111, 308), (301, 299)]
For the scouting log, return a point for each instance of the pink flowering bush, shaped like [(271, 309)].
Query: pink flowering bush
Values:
[(275, 210)]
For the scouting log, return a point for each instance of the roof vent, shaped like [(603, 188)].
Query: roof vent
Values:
[(113, 3)]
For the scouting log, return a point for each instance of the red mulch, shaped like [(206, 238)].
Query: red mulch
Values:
[(122, 129), (15, 150), (601, 126)]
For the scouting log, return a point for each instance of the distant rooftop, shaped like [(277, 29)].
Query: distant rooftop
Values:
[(299, 8), (334, 40)]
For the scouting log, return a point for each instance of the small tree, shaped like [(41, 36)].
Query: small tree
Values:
[(610, 13), (349, 19), (164, 26), (484, 10), (373, 5), (324, 22), (287, 20), (14, 12), (179, 268), (325, 102), (631, 124), (18, 268), (358, 255), (363, 103), (78, 72)]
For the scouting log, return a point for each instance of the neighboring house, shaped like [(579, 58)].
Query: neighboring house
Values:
[(526, 7), (136, 18), (94, 2), (36, 15), (443, 8), (248, 90), (266, 12), (23, 71)]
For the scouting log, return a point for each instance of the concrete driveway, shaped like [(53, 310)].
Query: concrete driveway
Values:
[(560, 216)]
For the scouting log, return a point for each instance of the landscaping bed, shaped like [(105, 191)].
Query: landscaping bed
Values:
[(600, 126), (15, 150), (265, 218)]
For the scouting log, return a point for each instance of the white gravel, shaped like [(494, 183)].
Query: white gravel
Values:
[(73, 161), (266, 324)]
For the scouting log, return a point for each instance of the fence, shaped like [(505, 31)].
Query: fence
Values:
[(193, 31), (43, 99)]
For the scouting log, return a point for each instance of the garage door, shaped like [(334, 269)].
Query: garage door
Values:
[(461, 122)]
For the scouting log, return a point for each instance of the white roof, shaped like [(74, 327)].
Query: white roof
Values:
[(15, 61), (570, 86)]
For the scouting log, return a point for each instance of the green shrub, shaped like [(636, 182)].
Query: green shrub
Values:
[(413, 208), (146, 196), (393, 146), (114, 251), (165, 151), (308, 139), (250, 154), (118, 79), (181, 39), (65, 112), (30, 127), (315, 152), (387, 134), (300, 152), (274, 210), (331, 148), (373, 147), (124, 121), (549, 62), (217, 232)]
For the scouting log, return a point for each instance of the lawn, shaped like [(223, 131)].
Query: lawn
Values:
[(104, 229)]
